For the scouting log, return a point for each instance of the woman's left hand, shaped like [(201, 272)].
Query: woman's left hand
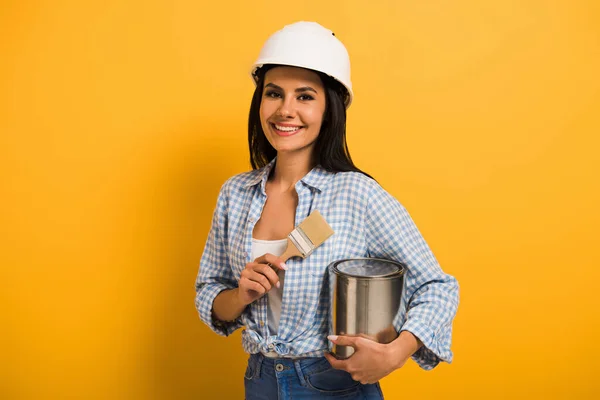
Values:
[(372, 361)]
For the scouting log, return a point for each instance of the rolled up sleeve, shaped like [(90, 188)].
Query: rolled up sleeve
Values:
[(215, 273), (430, 299)]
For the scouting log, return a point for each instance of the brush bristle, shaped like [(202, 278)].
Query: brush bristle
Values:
[(316, 228)]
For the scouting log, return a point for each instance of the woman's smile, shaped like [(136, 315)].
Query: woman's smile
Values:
[(282, 129)]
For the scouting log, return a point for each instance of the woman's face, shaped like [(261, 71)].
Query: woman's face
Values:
[(292, 108)]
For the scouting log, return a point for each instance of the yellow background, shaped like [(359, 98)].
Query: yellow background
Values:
[(120, 120)]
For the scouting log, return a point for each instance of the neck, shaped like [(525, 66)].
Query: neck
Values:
[(289, 169)]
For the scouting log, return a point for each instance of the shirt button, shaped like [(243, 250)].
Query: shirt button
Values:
[(251, 220), (279, 367), (262, 323)]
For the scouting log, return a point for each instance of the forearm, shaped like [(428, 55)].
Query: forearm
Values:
[(227, 305), (403, 347)]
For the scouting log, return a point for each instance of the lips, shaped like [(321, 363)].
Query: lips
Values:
[(286, 129)]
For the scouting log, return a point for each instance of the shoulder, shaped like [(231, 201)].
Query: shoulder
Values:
[(356, 182), (240, 182), (366, 191), (243, 179)]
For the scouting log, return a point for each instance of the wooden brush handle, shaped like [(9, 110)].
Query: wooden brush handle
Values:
[(290, 251)]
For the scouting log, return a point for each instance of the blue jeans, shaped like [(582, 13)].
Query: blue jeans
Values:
[(306, 378)]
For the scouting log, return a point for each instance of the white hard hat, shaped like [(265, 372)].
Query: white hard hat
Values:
[(308, 45)]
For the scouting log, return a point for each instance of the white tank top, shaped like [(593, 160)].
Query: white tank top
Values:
[(275, 295)]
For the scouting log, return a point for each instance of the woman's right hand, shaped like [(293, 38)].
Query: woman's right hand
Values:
[(258, 277)]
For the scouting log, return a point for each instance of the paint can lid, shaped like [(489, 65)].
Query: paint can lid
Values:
[(367, 268)]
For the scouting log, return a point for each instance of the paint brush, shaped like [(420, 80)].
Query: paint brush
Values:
[(307, 236)]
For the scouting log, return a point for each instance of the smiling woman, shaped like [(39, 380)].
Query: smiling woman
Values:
[(307, 99), (301, 163)]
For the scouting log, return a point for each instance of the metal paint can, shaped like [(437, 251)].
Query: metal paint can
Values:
[(366, 297)]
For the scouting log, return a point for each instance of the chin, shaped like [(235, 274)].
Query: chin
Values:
[(295, 149), (286, 149), (282, 147)]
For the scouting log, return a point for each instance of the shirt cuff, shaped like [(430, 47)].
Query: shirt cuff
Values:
[(204, 304), (432, 352)]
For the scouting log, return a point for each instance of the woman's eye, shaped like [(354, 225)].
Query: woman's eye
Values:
[(272, 94), (305, 97)]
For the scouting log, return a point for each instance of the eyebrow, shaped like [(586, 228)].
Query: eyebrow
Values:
[(298, 90)]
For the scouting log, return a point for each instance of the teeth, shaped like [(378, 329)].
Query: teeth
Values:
[(286, 129)]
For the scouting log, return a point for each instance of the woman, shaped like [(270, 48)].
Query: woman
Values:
[(301, 163)]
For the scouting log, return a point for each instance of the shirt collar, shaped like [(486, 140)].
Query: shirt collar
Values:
[(316, 178)]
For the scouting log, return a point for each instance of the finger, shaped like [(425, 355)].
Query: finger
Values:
[(260, 278), (262, 269), (247, 284), (272, 260), (269, 273), (343, 340), (335, 363)]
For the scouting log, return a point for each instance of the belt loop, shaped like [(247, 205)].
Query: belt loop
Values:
[(259, 362), (299, 372)]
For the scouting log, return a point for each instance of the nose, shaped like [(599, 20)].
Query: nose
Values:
[(286, 110)]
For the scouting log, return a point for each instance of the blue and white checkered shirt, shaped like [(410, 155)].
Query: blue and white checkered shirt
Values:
[(367, 221)]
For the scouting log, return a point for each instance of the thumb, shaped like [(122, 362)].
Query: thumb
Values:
[(343, 340)]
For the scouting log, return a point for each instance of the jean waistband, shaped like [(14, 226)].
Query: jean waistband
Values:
[(296, 366)]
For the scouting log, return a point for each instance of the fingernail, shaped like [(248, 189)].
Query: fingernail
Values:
[(283, 266), (278, 285), (333, 338)]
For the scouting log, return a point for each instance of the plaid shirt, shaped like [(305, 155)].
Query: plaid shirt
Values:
[(367, 221)]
